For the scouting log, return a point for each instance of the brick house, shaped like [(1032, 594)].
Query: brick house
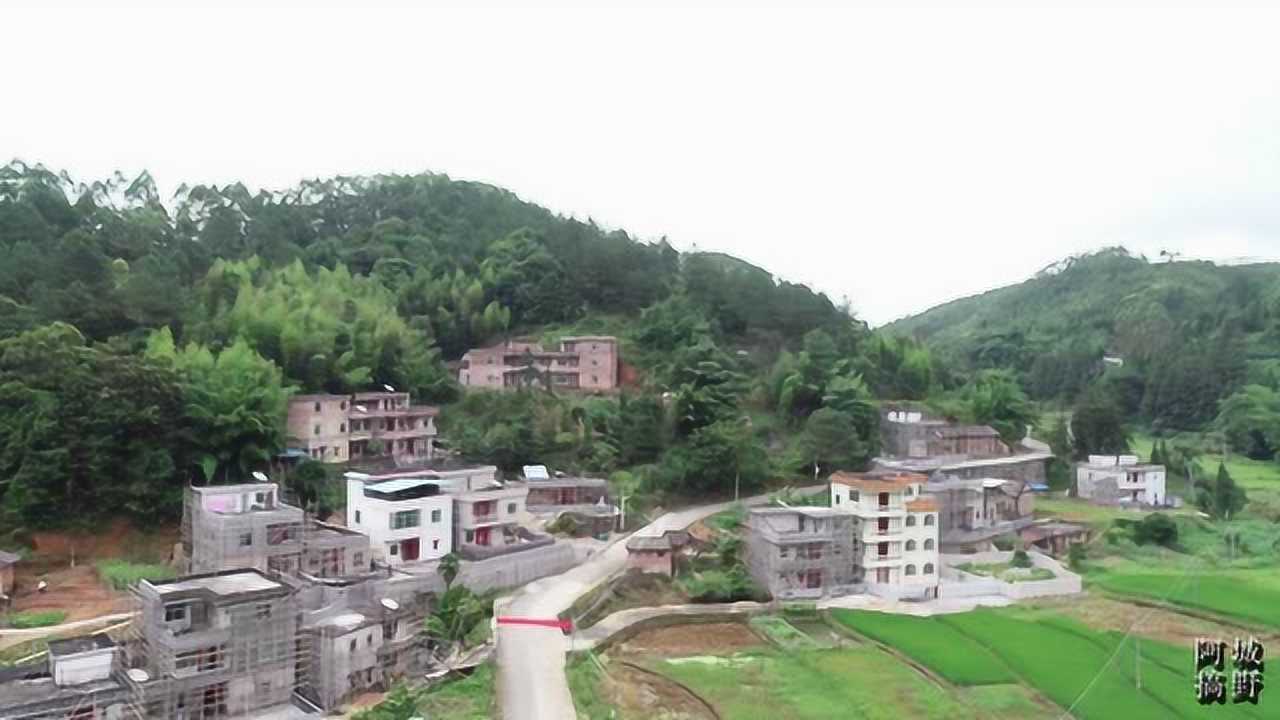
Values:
[(588, 362)]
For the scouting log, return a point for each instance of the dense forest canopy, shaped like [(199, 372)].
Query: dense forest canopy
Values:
[(1190, 335), (207, 309)]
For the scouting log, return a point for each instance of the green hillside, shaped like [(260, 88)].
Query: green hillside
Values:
[(1189, 333)]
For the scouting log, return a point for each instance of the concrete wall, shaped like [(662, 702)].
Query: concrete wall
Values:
[(597, 362), (83, 667), (518, 568), (330, 442), (962, 584)]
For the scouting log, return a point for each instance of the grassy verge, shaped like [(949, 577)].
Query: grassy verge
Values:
[(466, 698), (122, 574), (1252, 596), (34, 619), (584, 682)]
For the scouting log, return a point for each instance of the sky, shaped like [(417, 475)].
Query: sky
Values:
[(897, 157)]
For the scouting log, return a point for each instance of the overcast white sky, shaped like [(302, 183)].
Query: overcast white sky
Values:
[(901, 158)]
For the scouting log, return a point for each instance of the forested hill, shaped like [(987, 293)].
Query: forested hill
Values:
[(1189, 333), (147, 342)]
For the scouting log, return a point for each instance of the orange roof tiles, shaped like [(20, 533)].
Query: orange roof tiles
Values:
[(923, 504), (886, 482)]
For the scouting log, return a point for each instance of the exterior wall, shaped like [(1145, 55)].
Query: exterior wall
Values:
[(585, 363), (1119, 483), (550, 495), (342, 670), (907, 434), (83, 667), (971, 445), (6, 580), (794, 560), (321, 546), (216, 541), (502, 521), (898, 571), (372, 517), (321, 432), (1029, 471)]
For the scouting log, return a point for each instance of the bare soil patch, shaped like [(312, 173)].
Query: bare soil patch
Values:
[(117, 540), (1171, 627), (638, 693), (697, 639), (78, 591)]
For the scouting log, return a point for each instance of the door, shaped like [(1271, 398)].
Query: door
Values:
[(409, 549), (882, 524), (482, 536), (567, 496), (813, 579), (882, 575)]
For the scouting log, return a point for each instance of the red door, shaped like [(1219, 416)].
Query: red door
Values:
[(567, 496), (409, 549), (482, 536)]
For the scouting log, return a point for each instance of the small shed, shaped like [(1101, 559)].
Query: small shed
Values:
[(656, 553), (8, 564)]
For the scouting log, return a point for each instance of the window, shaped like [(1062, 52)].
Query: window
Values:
[(435, 516), (511, 508), (911, 520), (928, 519), (357, 559), (853, 495), (782, 552), (353, 646), (435, 544), (911, 545), (368, 640), (911, 569), (342, 427), (175, 613), (928, 568), (394, 548), (837, 498), (357, 517), (317, 407), (246, 539), (405, 519), (928, 544), (342, 405), (281, 533), (264, 611), (469, 535), (317, 430)]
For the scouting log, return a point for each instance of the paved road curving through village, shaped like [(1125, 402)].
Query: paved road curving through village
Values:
[(531, 676)]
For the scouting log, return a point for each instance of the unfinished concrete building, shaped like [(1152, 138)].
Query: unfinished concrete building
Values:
[(801, 552), (240, 526), (973, 512), (214, 645), (343, 428), (489, 522), (79, 680)]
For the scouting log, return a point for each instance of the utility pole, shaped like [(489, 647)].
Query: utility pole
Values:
[(1137, 663)]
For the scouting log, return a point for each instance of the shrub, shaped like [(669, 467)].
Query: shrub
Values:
[(720, 586), (122, 574), (1156, 529), (1020, 559), (1005, 543), (36, 619), (1076, 555)]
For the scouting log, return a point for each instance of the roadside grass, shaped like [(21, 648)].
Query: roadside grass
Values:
[(467, 698), (14, 653), (932, 643), (1089, 671), (584, 683), (34, 619), (122, 574), (858, 682)]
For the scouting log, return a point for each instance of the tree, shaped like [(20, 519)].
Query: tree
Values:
[(457, 613), (234, 405), (87, 431), (1249, 420), (715, 459), (1097, 426), (1223, 498), (402, 703), (992, 397), (448, 568), (831, 441), (1156, 529)]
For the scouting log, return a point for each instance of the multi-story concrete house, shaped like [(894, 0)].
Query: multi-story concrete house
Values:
[(216, 645), (801, 552), (228, 527), (580, 363), (550, 492), (972, 512), (906, 432), (407, 519), (343, 428), (895, 548), (490, 521), (240, 526), (1119, 479)]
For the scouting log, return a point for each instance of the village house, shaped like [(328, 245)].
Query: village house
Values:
[(801, 552), (895, 548), (907, 431), (345, 428), (491, 521), (1054, 538), (217, 644), (1120, 479), (587, 363), (548, 492), (973, 512), (657, 553), (407, 519)]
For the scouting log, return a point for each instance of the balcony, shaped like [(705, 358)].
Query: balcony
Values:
[(892, 556), (484, 518)]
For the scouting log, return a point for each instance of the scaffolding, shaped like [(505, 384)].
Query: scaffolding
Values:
[(237, 656)]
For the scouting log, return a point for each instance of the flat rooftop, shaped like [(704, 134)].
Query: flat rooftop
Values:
[(84, 643), (228, 584)]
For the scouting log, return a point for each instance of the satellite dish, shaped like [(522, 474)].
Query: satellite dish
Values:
[(138, 675), (390, 604), (361, 408), (260, 476), (389, 388)]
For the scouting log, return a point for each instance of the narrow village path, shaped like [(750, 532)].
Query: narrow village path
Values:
[(531, 660)]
